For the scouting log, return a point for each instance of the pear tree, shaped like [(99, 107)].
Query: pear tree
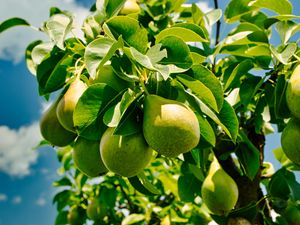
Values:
[(158, 117)]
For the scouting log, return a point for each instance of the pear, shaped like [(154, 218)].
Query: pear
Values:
[(87, 157), (129, 7), (52, 130), (67, 104), (75, 216), (293, 93), (124, 155), (169, 127), (96, 210), (290, 140), (219, 191), (107, 75), (238, 221)]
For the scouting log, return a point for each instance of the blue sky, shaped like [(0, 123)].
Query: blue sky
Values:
[(26, 176)]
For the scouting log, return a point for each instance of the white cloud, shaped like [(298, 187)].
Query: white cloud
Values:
[(16, 200), (13, 42), (41, 201), (16, 149), (3, 197)]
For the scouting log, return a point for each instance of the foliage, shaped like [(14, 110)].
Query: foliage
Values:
[(235, 86)]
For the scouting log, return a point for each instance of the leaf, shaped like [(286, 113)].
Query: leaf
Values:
[(133, 219), (28, 56), (98, 52), (278, 186), (62, 182), (237, 8), (142, 185), (213, 16), (7, 24), (199, 89), (184, 33), (279, 6), (241, 69), (40, 51), (57, 27), (206, 130), (61, 218), (284, 160), (286, 29), (281, 108), (132, 33), (204, 75), (178, 53), (248, 156), (90, 109), (285, 55), (62, 198), (248, 89), (188, 187)]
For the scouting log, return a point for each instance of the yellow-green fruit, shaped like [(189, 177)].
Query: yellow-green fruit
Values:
[(87, 157), (75, 216), (129, 7), (169, 127), (219, 190), (106, 75), (292, 215), (290, 140), (67, 104), (293, 93), (238, 221), (95, 210), (124, 155), (52, 130)]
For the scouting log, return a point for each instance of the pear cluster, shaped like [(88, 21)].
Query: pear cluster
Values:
[(291, 134)]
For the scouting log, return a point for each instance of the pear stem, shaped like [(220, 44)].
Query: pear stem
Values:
[(144, 87)]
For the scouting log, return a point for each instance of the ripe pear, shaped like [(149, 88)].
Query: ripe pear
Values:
[(169, 127), (107, 75), (75, 216), (130, 6), (124, 155), (219, 190), (290, 140), (293, 93), (292, 214), (87, 157), (96, 210), (67, 104), (52, 130)]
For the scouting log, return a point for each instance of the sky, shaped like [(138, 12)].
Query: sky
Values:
[(26, 175)]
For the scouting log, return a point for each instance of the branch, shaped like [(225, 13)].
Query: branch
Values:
[(218, 24)]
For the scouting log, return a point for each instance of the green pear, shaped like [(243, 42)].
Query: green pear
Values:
[(130, 6), (67, 104), (107, 75), (87, 157), (219, 191), (124, 155), (293, 93), (96, 210), (238, 221), (290, 140), (52, 130), (169, 127), (292, 214), (76, 216)]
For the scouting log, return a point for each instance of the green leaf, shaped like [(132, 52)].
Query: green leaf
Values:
[(285, 54), (57, 27), (90, 109), (229, 119), (62, 198), (284, 160), (133, 219), (248, 89), (12, 22), (28, 56), (286, 29), (178, 53), (241, 69), (237, 8), (248, 156), (278, 186), (142, 185), (40, 52), (100, 51), (188, 187), (281, 108), (61, 218), (132, 33), (204, 75), (65, 181), (213, 16), (206, 130), (199, 89), (279, 6), (186, 32)]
